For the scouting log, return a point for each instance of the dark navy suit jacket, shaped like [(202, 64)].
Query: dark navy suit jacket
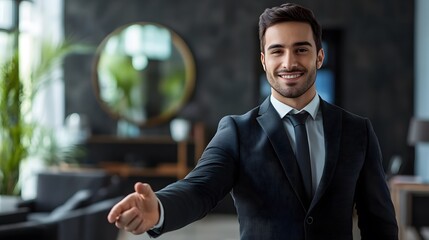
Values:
[(250, 157)]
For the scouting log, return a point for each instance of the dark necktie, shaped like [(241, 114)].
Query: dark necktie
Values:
[(302, 150)]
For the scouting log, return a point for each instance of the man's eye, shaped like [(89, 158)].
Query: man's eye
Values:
[(302, 50), (276, 52)]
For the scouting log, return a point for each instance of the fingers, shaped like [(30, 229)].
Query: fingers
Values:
[(117, 210), (134, 226), (125, 204), (137, 212), (133, 220), (129, 220), (144, 189)]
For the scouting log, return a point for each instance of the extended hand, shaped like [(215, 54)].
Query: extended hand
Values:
[(137, 212)]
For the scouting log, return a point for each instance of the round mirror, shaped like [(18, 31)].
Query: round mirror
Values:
[(144, 73)]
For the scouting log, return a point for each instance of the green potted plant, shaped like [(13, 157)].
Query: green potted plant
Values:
[(17, 129)]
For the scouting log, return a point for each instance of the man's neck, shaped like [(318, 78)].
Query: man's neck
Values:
[(299, 102)]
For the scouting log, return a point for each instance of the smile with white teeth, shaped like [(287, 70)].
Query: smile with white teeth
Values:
[(290, 76)]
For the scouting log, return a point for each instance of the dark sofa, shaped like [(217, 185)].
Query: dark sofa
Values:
[(68, 205)]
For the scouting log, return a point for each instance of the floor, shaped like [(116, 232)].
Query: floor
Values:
[(212, 227), (221, 227)]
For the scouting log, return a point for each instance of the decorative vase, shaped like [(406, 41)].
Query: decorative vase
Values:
[(8, 203), (179, 129)]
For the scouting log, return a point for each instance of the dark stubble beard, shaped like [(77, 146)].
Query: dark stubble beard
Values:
[(293, 91)]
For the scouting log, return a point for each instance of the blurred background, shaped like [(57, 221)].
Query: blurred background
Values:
[(128, 68), (371, 44)]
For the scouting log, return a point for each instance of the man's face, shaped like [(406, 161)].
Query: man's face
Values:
[(290, 60)]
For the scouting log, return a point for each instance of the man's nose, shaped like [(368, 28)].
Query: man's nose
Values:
[(289, 61)]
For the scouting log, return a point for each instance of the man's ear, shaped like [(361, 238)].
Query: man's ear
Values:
[(263, 60), (320, 58)]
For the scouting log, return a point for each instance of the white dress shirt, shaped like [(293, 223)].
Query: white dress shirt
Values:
[(315, 134)]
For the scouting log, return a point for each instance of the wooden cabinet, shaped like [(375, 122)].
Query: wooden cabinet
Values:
[(147, 156), (405, 190)]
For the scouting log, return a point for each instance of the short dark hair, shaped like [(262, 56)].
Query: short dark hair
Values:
[(289, 12)]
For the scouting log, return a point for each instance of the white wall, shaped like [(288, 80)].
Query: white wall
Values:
[(421, 89)]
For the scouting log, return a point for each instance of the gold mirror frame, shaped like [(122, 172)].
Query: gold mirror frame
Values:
[(177, 44)]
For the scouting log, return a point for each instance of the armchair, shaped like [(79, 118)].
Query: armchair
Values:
[(68, 205)]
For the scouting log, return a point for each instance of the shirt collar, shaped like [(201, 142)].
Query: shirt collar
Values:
[(282, 109)]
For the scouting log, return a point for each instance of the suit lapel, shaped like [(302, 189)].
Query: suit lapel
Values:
[(332, 128), (275, 130)]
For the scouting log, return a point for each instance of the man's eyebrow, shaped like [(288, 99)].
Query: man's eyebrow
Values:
[(297, 44), (275, 46), (304, 43)]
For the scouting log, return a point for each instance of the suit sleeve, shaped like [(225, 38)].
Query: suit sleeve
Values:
[(191, 198), (373, 202)]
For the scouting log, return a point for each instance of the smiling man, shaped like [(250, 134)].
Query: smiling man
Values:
[(290, 58), (296, 166)]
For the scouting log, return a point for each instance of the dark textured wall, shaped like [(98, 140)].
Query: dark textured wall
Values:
[(376, 78)]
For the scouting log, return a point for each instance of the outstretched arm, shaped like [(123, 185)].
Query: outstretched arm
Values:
[(138, 212)]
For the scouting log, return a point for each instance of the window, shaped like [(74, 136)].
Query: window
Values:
[(8, 26)]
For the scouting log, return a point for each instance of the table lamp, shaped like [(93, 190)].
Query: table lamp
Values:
[(418, 131)]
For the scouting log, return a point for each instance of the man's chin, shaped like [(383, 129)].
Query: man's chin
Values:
[(290, 93)]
